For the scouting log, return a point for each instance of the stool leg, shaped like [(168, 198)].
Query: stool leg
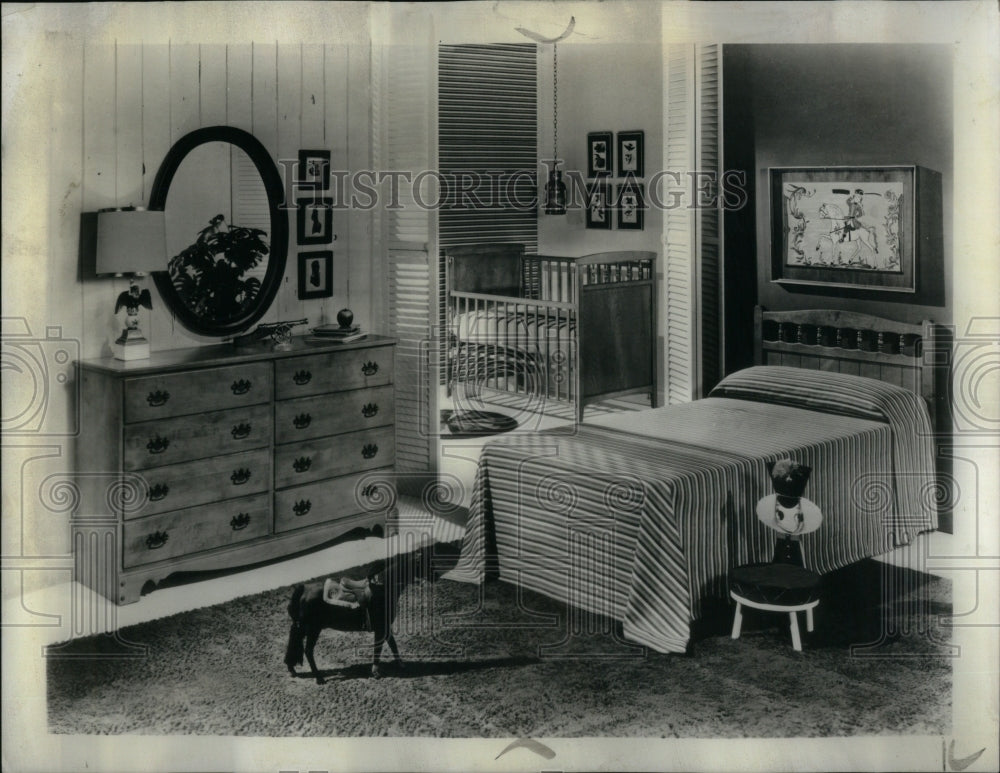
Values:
[(737, 621), (809, 619), (794, 626)]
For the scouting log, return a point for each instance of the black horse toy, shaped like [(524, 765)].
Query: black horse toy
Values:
[(374, 610)]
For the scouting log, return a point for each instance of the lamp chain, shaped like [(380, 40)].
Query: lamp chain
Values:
[(555, 105)]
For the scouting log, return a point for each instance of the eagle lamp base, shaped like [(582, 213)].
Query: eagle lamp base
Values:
[(131, 345)]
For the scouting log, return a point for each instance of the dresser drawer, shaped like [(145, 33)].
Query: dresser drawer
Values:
[(180, 532), (179, 394), (156, 443), (333, 372), (313, 417), (329, 500), (297, 463), (205, 480)]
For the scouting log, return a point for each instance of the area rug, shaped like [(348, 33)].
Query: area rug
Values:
[(494, 662)]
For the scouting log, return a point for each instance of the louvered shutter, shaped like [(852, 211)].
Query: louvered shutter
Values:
[(680, 366), (487, 149), (692, 236), (708, 98), (487, 130), (404, 125)]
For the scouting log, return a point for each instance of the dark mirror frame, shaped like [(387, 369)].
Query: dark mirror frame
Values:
[(278, 243)]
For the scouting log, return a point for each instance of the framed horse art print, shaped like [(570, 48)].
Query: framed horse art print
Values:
[(846, 227)]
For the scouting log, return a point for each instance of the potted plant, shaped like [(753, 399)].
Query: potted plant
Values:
[(210, 275)]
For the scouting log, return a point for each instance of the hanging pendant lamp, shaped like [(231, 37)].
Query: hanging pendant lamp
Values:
[(555, 188)]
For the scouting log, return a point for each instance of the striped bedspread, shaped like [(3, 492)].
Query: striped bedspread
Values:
[(638, 516)]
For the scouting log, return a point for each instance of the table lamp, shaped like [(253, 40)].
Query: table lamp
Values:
[(131, 242)]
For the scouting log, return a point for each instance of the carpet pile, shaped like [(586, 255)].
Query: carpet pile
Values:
[(493, 661)]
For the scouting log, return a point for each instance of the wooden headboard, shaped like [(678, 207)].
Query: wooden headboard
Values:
[(849, 342)]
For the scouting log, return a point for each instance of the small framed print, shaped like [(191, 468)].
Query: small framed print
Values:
[(630, 154), (315, 274), (600, 154), (315, 221), (314, 169), (631, 206), (599, 206)]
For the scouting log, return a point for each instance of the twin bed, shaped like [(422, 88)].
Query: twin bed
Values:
[(638, 516)]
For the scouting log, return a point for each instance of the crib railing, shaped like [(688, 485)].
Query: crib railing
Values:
[(556, 279), (550, 278), (522, 346)]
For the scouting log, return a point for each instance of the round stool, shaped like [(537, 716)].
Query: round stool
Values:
[(775, 587)]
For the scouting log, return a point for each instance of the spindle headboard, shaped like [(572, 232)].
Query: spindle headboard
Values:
[(850, 342)]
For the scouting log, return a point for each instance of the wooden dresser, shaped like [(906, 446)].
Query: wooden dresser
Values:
[(219, 457)]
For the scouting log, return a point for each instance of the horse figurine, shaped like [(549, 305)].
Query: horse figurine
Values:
[(373, 609)]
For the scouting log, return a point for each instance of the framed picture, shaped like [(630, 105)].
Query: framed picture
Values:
[(631, 206), (844, 226), (315, 221), (600, 154), (599, 206), (315, 274), (314, 169), (630, 154)]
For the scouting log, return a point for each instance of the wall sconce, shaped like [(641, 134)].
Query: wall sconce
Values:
[(131, 242)]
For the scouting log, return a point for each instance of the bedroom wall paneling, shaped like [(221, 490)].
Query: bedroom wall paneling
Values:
[(137, 99)]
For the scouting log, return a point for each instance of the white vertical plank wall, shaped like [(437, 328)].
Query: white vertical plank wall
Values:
[(118, 107)]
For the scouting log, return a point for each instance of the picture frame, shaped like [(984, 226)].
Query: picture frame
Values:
[(314, 221), (631, 153), (630, 204), (600, 154), (599, 206), (316, 274), (314, 169), (844, 227)]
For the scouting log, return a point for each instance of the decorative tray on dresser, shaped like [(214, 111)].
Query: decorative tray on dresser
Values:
[(219, 457)]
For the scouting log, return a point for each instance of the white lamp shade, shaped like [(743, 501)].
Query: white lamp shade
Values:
[(131, 241)]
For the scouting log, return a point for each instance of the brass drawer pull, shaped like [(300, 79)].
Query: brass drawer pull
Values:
[(241, 386), (158, 398), (302, 464), (240, 521), (158, 492), (302, 377), (157, 445), (302, 507), (369, 368), (369, 450), (369, 410), (240, 476), (241, 431), (156, 540), (302, 420)]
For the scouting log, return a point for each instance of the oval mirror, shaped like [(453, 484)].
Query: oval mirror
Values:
[(227, 235)]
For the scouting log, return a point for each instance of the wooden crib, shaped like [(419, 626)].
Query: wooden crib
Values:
[(574, 330)]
